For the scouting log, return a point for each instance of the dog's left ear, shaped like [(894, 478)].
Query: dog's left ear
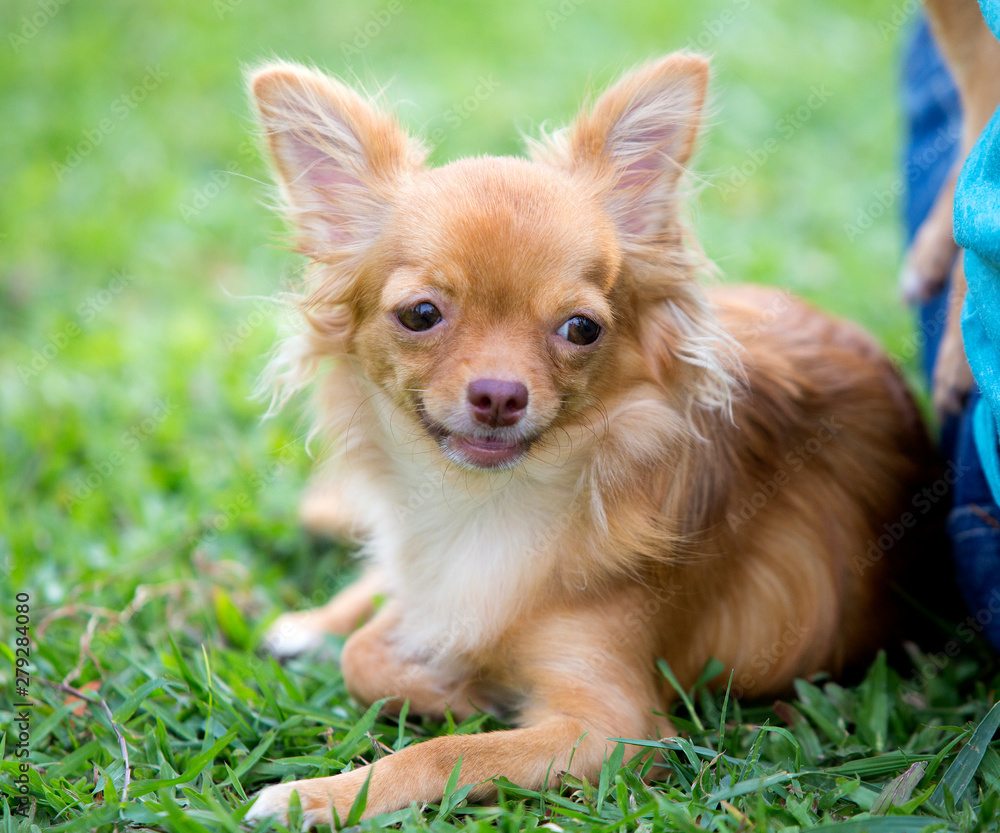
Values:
[(636, 140)]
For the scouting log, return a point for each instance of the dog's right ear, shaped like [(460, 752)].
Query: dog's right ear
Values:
[(338, 157)]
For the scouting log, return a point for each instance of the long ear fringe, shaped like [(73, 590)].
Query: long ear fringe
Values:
[(290, 368), (681, 326), (300, 352), (713, 359), (608, 146), (338, 156)]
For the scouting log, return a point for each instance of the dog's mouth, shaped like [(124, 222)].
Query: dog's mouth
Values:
[(481, 451)]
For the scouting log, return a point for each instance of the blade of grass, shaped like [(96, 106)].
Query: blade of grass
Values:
[(959, 775), (678, 745), (898, 791), (403, 712), (453, 796), (873, 722), (886, 824), (125, 711), (756, 747), (611, 766), (359, 729), (749, 786), (360, 801), (822, 712), (722, 716), (194, 768), (666, 671)]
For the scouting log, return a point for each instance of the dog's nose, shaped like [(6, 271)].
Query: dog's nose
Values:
[(496, 402)]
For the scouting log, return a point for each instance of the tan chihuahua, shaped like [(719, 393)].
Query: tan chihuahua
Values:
[(566, 458)]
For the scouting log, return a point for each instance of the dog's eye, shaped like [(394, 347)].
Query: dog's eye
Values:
[(580, 330), (419, 317)]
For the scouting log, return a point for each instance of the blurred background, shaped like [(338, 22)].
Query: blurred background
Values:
[(137, 250)]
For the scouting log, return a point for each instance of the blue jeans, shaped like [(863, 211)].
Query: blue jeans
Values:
[(933, 116)]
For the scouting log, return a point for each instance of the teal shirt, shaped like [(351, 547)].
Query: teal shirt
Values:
[(977, 230)]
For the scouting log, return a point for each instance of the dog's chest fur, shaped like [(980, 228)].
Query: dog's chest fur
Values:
[(463, 565)]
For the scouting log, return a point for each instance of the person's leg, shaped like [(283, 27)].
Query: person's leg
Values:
[(933, 119)]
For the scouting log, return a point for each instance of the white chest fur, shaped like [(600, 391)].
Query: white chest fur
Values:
[(465, 559)]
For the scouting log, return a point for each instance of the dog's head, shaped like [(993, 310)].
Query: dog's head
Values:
[(495, 301)]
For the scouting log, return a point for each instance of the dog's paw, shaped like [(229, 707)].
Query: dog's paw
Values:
[(291, 635), (318, 797), (273, 802)]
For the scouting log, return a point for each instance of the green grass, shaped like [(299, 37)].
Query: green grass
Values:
[(150, 514)]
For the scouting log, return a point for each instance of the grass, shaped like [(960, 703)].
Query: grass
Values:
[(150, 515)]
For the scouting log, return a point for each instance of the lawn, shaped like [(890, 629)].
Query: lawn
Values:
[(148, 515)]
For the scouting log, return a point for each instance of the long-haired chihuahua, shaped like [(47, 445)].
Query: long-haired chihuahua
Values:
[(565, 456)]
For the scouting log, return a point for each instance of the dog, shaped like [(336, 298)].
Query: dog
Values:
[(972, 55), (567, 458)]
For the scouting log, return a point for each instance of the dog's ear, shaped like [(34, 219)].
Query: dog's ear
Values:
[(338, 157), (636, 140)]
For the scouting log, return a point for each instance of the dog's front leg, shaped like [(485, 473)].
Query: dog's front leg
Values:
[(570, 716), (535, 757), (530, 757), (375, 667)]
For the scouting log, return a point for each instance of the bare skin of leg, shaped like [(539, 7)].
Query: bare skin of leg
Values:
[(933, 250), (294, 633), (952, 376)]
